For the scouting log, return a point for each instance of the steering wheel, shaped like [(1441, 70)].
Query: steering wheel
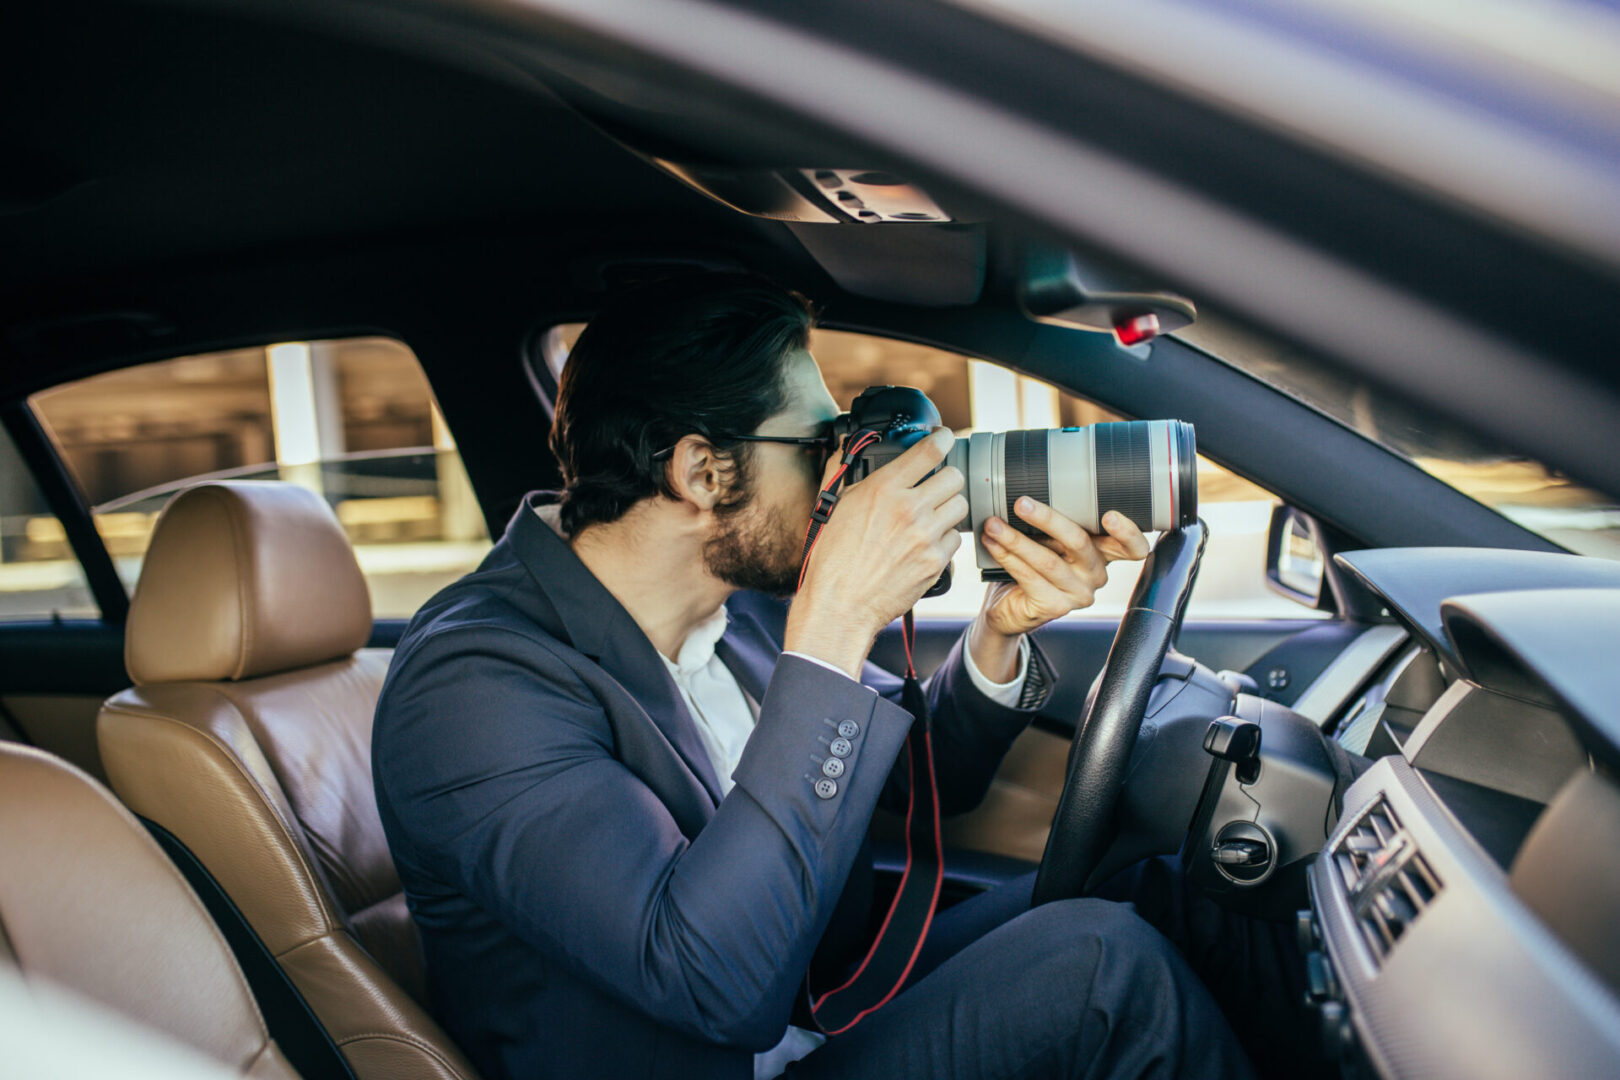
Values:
[(1083, 825)]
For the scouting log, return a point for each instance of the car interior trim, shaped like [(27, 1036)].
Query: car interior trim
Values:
[(1436, 1004), (1499, 742), (1349, 671), (66, 501), (1414, 582)]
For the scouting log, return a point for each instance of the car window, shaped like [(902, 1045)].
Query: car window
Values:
[(978, 395), (40, 578), (353, 420), (1525, 491)]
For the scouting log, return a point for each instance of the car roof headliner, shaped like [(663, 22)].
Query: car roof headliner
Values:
[(155, 143), (166, 136)]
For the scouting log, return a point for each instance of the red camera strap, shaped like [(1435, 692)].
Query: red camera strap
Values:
[(893, 953), (827, 498)]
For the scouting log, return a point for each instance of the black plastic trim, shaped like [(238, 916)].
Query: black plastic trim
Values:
[(74, 656), (66, 501)]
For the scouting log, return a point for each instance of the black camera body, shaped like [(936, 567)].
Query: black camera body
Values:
[(902, 415)]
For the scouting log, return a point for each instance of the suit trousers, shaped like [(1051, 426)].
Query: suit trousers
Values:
[(1100, 987)]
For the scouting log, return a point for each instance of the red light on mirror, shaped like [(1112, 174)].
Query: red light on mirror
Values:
[(1135, 329)]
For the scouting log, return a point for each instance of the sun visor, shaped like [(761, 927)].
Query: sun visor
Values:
[(928, 266)]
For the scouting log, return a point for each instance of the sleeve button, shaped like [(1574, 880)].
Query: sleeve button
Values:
[(849, 729), (833, 767), (826, 788), (840, 747)]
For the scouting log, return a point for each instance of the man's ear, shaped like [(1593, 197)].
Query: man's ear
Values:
[(697, 474)]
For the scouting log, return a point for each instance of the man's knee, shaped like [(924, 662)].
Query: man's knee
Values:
[(1078, 920), (1082, 939)]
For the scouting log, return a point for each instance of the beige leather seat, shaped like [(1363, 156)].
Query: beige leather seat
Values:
[(248, 736), (89, 902)]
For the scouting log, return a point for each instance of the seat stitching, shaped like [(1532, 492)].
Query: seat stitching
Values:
[(242, 568), (253, 783)]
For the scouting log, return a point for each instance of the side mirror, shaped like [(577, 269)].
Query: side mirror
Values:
[(1294, 556)]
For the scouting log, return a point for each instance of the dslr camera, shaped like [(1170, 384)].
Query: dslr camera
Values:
[(1145, 469)]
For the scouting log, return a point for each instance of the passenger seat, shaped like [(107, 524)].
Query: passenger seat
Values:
[(89, 902), (247, 735)]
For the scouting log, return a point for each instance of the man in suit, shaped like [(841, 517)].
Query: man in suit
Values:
[(628, 791)]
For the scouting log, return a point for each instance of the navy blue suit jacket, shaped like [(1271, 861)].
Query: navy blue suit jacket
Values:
[(588, 905)]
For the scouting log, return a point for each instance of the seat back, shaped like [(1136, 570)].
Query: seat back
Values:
[(89, 902), (247, 735)]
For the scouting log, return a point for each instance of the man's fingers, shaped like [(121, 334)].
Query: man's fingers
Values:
[(939, 488), (1122, 538), (1054, 524), (948, 514), (1050, 565), (1124, 532), (918, 461), (1043, 593)]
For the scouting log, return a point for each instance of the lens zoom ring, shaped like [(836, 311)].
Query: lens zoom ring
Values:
[(1125, 472), (1024, 472)]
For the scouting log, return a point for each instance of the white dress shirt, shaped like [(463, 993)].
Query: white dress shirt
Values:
[(725, 717)]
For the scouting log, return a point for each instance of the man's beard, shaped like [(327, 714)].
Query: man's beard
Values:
[(754, 549)]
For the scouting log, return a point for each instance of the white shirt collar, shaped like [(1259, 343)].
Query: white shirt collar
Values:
[(698, 648)]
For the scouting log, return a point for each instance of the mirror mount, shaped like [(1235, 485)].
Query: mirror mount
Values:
[(1056, 288)]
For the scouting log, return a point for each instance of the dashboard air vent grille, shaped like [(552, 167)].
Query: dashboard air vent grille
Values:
[(1389, 881)]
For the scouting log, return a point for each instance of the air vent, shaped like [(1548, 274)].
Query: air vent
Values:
[(1389, 882)]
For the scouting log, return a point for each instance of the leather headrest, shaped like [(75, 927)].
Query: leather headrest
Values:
[(244, 579)]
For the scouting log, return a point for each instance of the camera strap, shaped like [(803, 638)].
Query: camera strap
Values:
[(893, 953), (827, 498)]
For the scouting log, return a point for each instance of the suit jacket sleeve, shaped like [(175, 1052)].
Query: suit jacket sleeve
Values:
[(971, 733), (499, 771)]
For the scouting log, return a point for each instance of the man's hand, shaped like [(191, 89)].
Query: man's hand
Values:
[(1051, 577), (890, 538)]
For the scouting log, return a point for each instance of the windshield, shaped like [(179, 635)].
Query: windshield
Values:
[(1525, 491)]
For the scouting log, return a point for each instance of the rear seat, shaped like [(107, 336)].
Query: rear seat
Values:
[(247, 736), (90, 903)]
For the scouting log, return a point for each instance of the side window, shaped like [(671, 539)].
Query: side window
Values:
[(353, 420), (979, 395), (40, 578)]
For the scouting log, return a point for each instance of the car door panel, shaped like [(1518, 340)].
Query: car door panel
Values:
[(53, 679)]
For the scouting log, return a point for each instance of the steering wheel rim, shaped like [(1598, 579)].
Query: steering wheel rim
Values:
[(1083, 824)]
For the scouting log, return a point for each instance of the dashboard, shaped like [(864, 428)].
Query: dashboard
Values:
[(1463, 908)]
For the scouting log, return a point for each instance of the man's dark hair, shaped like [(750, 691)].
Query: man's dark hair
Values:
[(703, 355)]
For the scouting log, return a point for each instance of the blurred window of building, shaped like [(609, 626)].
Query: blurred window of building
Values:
[(976, 395), (352, 419), (40, 577)]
